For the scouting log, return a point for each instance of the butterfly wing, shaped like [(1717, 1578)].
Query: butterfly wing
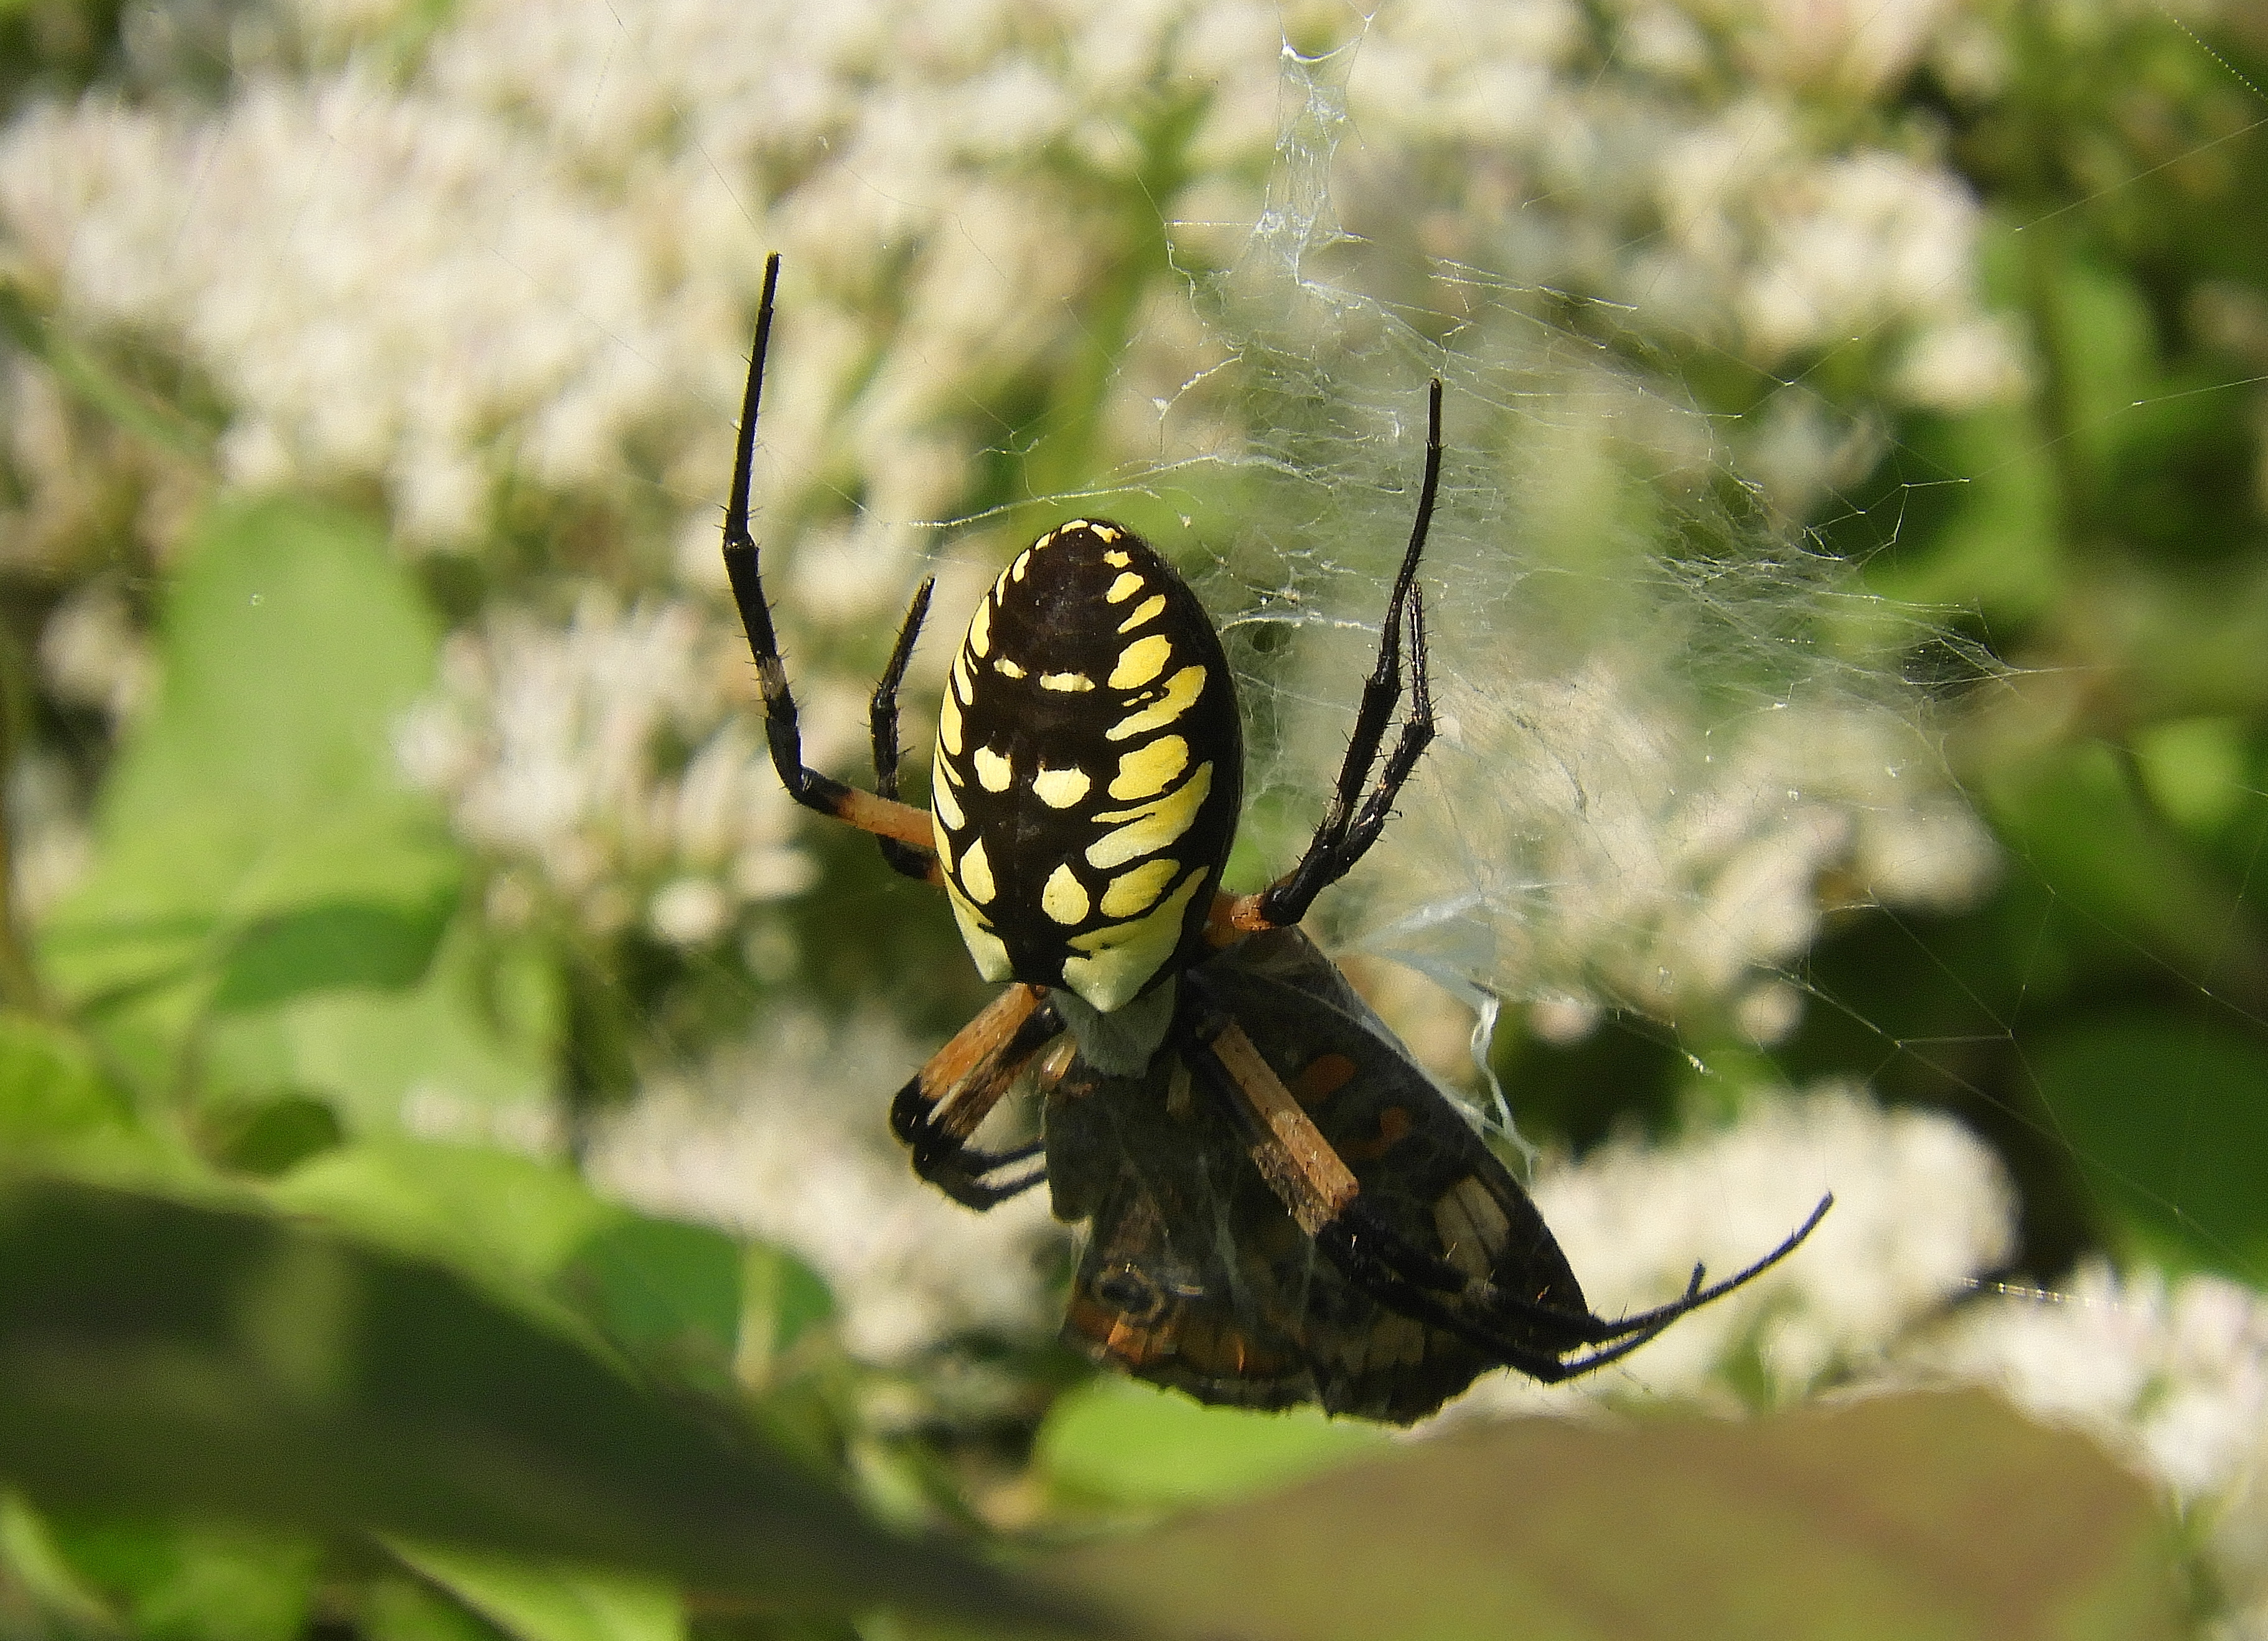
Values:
[(1193, 1274)]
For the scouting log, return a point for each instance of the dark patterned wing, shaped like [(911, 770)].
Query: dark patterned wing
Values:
[(1193, 1274)]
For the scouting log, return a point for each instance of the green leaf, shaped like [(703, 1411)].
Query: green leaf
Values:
[(2194, 769), (57, 1106), (2073, 816), (667, 1293), (472, 1041), (161, 1356), (2167, 1117), (50, 1090), (514, 1220), (1120, 1441), (194, 1583), (1940, 1516), (271, 1136), (34, 1563), (407, 1609), (327, 948), (781, 1298), (548, 1603), (1975, 521), (255, 838)]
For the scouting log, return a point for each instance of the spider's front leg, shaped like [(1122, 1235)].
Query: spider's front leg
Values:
[(944, 1103), (1353, 821), (883, 816), (882, 728)]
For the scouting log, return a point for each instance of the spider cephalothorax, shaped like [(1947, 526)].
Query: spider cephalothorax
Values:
[(1282, 1206)]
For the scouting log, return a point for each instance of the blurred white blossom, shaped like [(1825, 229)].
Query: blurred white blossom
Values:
[(563, 750), (1611, 853), (525, 258), (93, 653)]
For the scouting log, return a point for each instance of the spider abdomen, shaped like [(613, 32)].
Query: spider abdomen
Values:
[(1089, 766)]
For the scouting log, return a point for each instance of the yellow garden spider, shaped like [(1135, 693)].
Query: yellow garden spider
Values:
[(1282, 1208)]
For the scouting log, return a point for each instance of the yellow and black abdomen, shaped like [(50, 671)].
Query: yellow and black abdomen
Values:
[(1089, 766)]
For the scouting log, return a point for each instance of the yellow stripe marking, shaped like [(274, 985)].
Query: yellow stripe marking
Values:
[(990, 952), (1064, 897), (1124, 589), (963, 684), (1128, 955), (1060, 789), (1149, 610), (948, 726), (976, 874), (992, 772), (1131, 892), (980, 629), (1141, 660), (1151, 827), (1104, 533), (945, 805), (1153, 768), (1069, 524), (1024, 558), (1116, 560), (1009, 669), (1068, 682), (1181, 692)]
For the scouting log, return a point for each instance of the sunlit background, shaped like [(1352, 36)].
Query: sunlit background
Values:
[(1849, 624)]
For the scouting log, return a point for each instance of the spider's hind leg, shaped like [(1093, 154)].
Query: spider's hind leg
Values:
[(945, 1102), (1505, 1305)]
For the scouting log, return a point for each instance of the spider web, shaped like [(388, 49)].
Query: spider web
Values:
[(493, 273)]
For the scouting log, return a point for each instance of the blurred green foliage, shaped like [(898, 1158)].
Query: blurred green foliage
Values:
[(271, 1367)]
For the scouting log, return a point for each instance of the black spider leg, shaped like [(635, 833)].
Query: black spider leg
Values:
[(1351, 824), (1403, 1277), (884, 817), (882, 724), (1387, 1274), (935, 1124)]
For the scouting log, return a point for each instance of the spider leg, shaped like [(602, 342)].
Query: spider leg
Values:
[(1352, 822), (1323, 1197), (1368, 1270), (882, 726), (944, 1103), (883, 816)]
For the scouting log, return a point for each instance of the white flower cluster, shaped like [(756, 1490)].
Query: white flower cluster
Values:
[(381, 284), (1628, 172), (1605, 850), (557, 750), (527, 259), (532, 255)]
